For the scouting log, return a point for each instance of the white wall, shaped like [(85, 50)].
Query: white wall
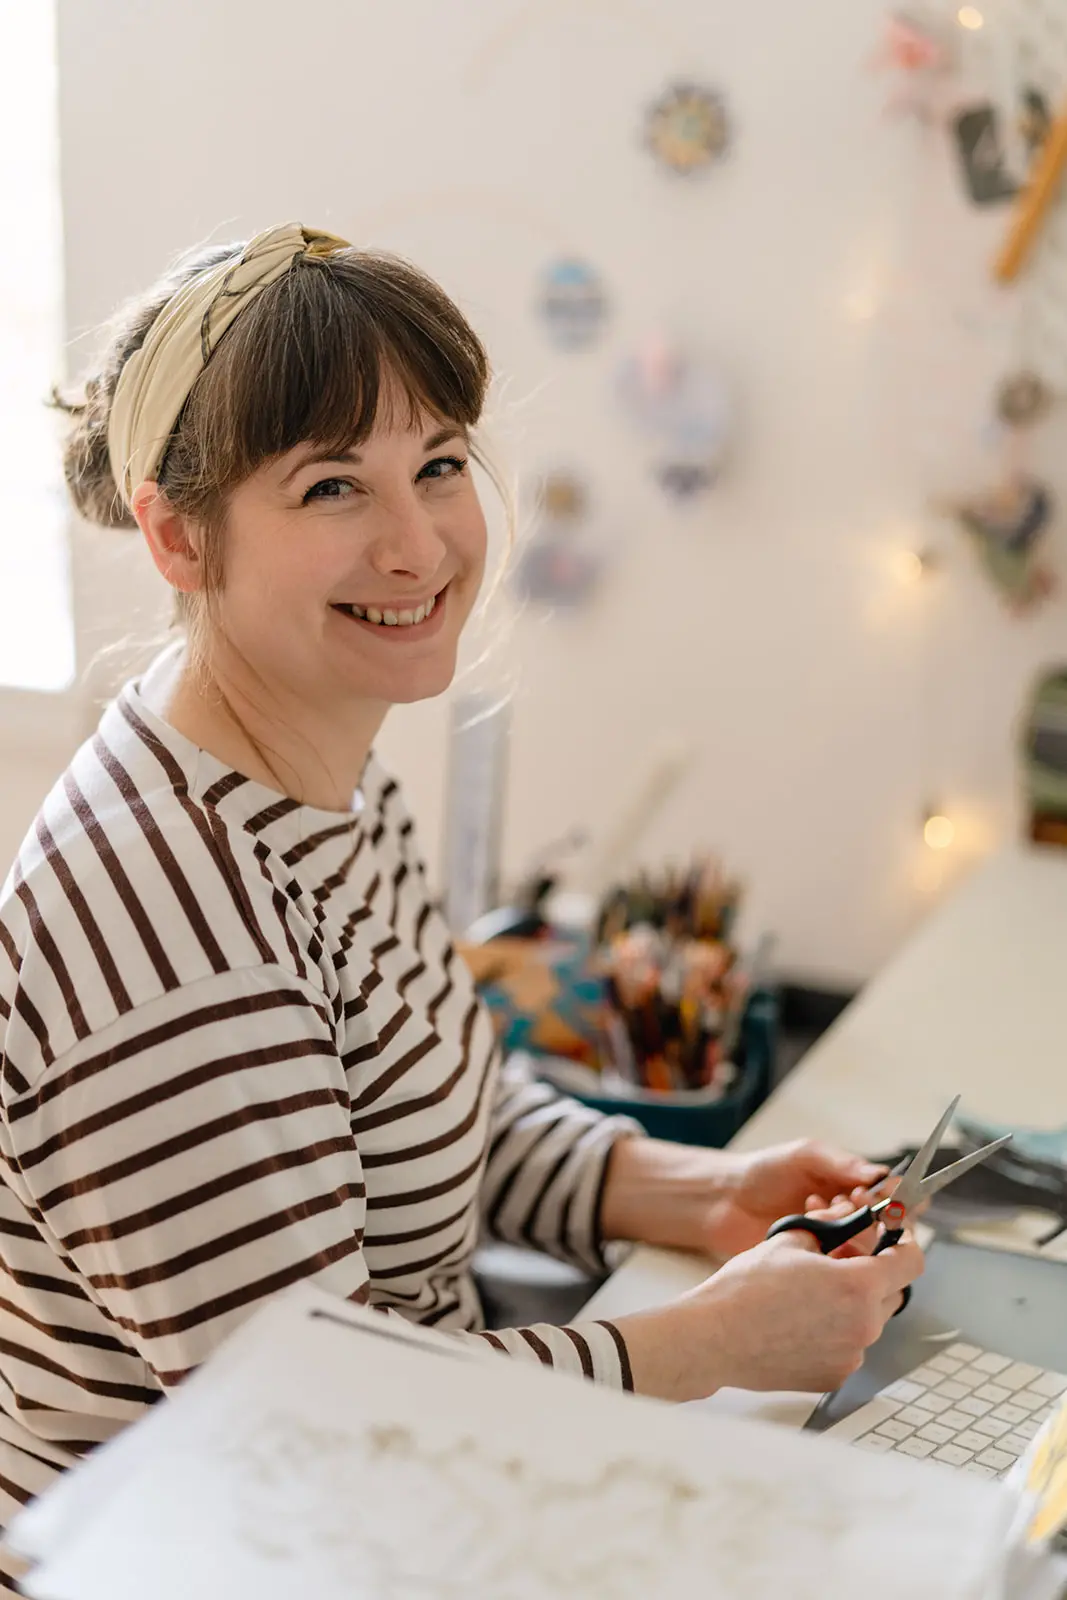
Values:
[(767, 624)]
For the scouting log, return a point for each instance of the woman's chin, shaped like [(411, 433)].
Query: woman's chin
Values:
[(422, 680)]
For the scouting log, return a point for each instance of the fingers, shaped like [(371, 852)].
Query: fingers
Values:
[(842, 1169), (843, 1206), (900, 1265)]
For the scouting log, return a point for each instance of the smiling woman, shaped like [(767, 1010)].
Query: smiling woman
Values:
[(238, 1048)]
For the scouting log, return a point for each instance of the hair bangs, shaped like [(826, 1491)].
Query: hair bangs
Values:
[(331, 350)]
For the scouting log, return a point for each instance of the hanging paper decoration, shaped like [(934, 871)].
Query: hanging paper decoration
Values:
[(572, 304), (1008, 526), (687, 129), (1023, 399), (920, 57), (1035, 119), (1045, 758), (684, 408), (560, 565), (1009, 523)]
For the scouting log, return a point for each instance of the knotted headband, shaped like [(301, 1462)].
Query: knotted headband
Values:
[(157, 379)]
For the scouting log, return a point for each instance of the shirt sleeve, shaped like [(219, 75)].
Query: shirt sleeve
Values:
[(197, 1157), (547, 1167)]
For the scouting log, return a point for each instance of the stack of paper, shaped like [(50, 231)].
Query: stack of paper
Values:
[(329, 1452)]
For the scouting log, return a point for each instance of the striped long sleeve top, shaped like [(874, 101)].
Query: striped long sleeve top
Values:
[(237, 1049)]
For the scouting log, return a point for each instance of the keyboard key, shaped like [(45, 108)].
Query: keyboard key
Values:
[(916, 1447), (956, 1420), (1014, 1442), (1019, 1375), (913, 1416), (975, 1407), (1043, 1415), (997, 1459), (902, 1390), (939, 1435), (1030, 1399), (993, 1393), (991, 1363), (963, 1352), (952, 1390), (1028, 1430), (874, 1441), (1009, 1413), (953, 1454), (945, 1365), (990, 1427), (1050, 1385), (969, 1440), (894, 1429), (934, 1403), (925, 1374), (979, 1471)]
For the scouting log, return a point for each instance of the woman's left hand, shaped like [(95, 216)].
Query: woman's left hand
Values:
[(768, 1184), (720, 1202)]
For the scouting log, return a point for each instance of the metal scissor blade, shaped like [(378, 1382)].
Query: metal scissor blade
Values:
[(911, 1185), (896, 1172), (946, 1175)]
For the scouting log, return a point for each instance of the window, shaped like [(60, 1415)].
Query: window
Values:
[(36, 615)]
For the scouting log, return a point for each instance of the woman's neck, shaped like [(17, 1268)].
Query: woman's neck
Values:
[(314, 757)]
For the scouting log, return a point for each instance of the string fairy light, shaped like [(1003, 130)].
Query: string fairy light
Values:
[(939, 830), (913, 565)]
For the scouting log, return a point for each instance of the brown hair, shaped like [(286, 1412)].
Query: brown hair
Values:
[(305, 361)]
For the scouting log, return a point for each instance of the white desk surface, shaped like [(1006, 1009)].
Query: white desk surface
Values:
[(975, 1003)]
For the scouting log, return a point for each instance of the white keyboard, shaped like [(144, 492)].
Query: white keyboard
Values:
[(964, 1406)]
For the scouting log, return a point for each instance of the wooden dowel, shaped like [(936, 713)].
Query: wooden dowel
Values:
[(1034, 204)]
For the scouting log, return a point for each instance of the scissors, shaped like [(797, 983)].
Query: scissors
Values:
[(892, 1212)]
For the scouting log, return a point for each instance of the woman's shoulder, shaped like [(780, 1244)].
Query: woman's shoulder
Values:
[(130, 884)]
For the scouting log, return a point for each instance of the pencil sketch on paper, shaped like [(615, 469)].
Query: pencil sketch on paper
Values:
[(380, 1512)]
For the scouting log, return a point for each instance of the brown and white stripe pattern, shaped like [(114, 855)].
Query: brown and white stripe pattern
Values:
[(238, 1050)]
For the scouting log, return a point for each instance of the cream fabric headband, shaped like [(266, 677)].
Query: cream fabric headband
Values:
[(156, 381)]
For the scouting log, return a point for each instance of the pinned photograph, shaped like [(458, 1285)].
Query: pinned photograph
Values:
[(983, 158)]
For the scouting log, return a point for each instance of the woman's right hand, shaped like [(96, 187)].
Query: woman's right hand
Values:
[(779, 1316)]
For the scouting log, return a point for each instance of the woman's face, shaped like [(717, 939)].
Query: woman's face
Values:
[(351, 578)]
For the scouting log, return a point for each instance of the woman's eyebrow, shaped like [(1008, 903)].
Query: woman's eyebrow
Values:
[(351, 458), (442, 436)]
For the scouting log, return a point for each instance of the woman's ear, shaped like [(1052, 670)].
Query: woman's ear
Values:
[(171, 539)]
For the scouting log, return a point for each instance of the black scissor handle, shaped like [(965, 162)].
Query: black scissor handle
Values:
[(889, 1238), (827, 1233)]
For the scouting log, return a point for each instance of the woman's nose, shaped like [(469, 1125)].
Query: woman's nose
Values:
[(409, 544)]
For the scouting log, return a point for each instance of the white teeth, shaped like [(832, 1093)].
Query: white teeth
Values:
[(392, 619)]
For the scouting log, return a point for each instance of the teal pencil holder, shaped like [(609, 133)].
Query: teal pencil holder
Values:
[(700, 1116)]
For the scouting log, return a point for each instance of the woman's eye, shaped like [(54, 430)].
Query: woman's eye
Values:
[(442, 467), (330, 489)]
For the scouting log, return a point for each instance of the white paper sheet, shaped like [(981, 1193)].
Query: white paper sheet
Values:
[(324, 1452)]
